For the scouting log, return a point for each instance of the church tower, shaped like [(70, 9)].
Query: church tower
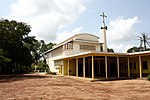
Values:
[(104, 28)]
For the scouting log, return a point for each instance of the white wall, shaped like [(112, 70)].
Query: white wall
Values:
[(51, 65), (81, 39)]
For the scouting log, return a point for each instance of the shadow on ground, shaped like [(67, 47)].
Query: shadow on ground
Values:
[(11, 78), (114, 79)]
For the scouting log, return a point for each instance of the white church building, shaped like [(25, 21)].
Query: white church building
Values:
[(83, 56)]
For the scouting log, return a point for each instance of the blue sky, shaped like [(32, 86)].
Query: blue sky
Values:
[(56, 20)]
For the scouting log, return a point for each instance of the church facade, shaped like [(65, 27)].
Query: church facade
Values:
[(82, 56)]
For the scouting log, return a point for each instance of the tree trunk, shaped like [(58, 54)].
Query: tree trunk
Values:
[(144, 45)]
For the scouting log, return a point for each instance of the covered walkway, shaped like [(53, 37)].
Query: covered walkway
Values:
[(106, 65)]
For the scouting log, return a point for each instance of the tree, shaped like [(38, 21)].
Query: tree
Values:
[(110, 50), (15, 41), (40, 48), (134, 49), (50, 45), (144, 40), (3, 59)]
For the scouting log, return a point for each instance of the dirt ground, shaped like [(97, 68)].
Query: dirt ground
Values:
[(35, 87)]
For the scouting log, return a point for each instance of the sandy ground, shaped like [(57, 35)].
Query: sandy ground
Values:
[(34, 87)]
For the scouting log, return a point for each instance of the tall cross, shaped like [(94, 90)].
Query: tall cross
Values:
[(103, 16), (104, 33)]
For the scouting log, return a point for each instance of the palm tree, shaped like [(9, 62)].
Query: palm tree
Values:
[(144, 40)]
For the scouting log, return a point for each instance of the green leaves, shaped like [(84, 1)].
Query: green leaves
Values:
[(3, 58), (17, 48), (15, 41), (144, 40), (38, 50), (134, 49)]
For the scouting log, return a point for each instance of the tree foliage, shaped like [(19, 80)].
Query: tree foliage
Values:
[(18, 50), (15, 45), (3, 59), (110, 50), (42, 66), (134, 49), (39, 50), (144, 41)]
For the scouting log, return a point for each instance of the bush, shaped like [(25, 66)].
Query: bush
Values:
[(41, 66), (52, 73), (20, 69), (148, 77)]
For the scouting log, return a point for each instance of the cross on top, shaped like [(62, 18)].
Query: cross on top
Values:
[(103, 16)]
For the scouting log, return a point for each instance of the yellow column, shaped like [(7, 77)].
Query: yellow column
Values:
[(84, 67), (128, 67), (140, 65), (68, 67), (62, 69), (106, 67), (76, 67), (92, 68), (118, 66)]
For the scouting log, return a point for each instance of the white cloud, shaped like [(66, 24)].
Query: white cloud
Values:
[(46, 17), (122, 29), (121, 34), (65, 35)]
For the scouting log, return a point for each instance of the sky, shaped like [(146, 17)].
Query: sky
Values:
[(57, 20)]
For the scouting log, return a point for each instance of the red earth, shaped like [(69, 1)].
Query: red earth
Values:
[(50, 87)]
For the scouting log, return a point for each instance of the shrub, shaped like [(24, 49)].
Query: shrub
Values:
[(148, 77), (52, 73), (20, 69), (41, 66)]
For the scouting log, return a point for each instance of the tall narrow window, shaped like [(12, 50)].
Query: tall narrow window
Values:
[(70, 46)]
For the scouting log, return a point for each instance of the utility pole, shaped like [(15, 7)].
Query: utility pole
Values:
[(104, 28)]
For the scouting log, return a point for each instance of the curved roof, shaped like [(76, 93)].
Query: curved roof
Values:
[(86, 34), (81, 36), (85, 37), (78, 37)]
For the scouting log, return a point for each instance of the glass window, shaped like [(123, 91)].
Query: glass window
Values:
[(68, 46), (87, 47)]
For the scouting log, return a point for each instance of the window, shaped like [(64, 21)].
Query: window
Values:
[(87, 47), (68, 46), (145, 65)]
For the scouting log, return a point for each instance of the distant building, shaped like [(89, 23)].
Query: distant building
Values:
[(82, 55)]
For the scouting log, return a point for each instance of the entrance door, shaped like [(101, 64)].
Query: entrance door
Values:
[(80, 67), (113, 69), (102, 68)]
